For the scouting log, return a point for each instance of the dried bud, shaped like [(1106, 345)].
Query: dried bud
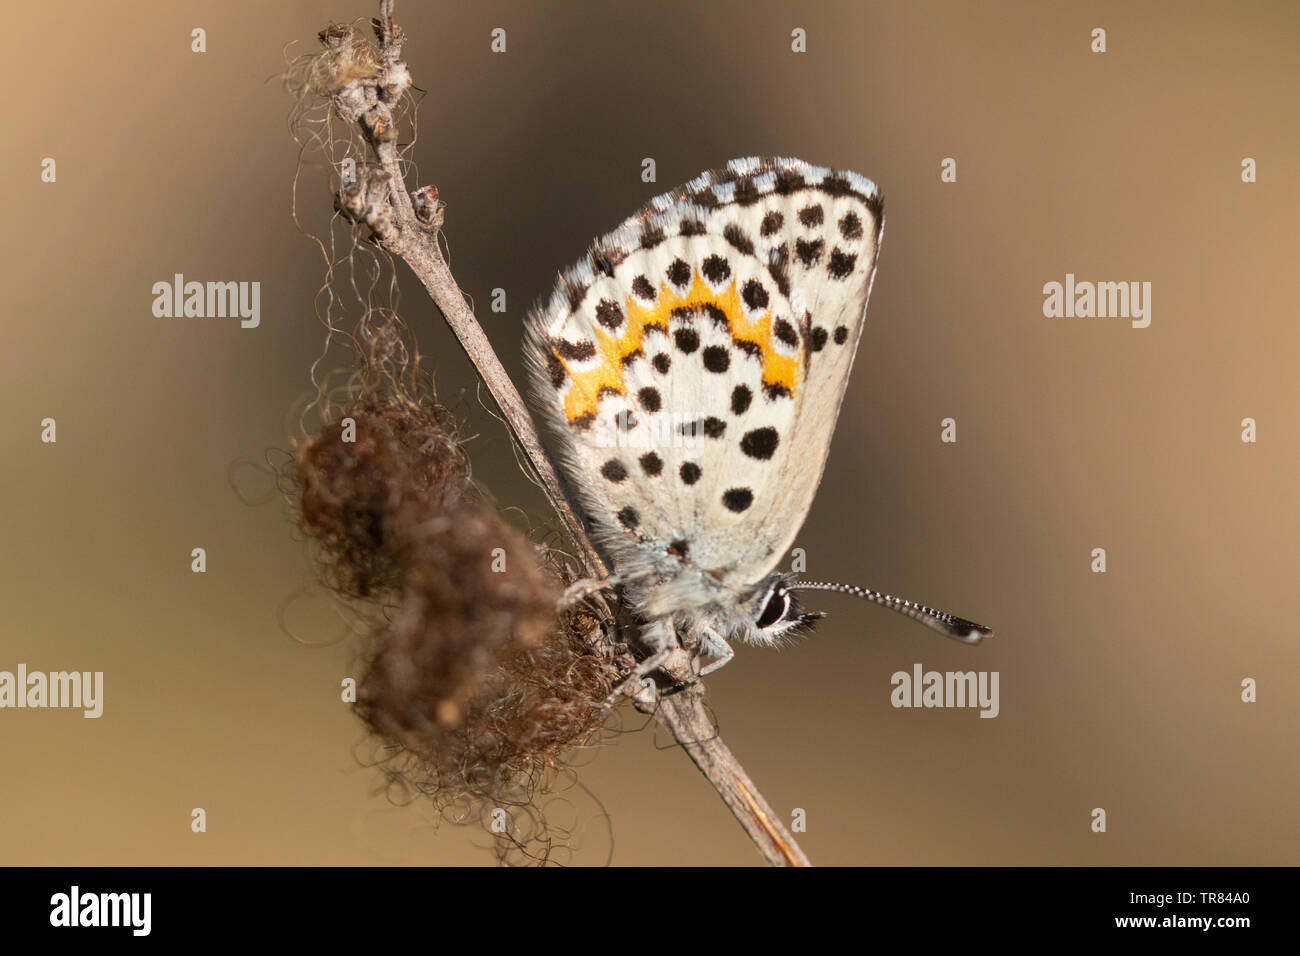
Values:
[(428, 209)]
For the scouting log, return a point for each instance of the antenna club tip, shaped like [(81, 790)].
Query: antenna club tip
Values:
[(968, 632)]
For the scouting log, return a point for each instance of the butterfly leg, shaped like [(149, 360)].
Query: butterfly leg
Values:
[(645, 691), (585, 588), (713, 644), (657, 636)]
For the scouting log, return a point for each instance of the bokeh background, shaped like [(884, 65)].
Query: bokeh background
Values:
[(1118, 690)]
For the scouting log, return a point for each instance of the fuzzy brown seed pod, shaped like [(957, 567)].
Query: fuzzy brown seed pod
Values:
[(473, 594), (378, 465), (471, 682)]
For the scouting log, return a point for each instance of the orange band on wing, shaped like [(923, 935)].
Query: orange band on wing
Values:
[(587, 385)]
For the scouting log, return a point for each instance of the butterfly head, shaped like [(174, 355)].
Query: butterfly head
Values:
[(776, 612)]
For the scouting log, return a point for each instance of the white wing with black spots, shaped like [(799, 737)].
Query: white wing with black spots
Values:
[(692, 367)]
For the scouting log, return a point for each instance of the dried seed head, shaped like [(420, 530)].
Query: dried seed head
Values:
[(473, 688)]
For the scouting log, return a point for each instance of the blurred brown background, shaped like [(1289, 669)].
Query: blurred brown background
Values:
[(1118, 690)]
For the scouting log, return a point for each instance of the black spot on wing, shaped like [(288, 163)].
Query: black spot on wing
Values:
[(741, 396), (808, 252), (838, 186), (841, 263), (755, 296), (573, 351), (784, 331), (717, 359), (718, 316), (706, 198), (851, 226), (737, 499), (556, 370), (811, 216), (773, 392), (716, 269), (746, 192), (679, 273), (711, 427), (788, 181), (733, 234), (609, 314), (761, 443)]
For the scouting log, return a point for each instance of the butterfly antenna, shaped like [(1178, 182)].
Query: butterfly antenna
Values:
[(949, 625)]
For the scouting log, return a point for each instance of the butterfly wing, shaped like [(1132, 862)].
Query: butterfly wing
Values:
[(694, 362)]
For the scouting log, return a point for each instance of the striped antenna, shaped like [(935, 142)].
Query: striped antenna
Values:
[(949, 625)]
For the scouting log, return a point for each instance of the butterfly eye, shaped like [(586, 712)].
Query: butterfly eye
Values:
[(778, 603)]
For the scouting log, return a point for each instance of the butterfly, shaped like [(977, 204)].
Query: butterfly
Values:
[(691, 367)]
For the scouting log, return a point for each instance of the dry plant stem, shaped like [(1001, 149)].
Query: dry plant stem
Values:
[(686, 717), (401, 232), (426, 261), (419, 249)]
